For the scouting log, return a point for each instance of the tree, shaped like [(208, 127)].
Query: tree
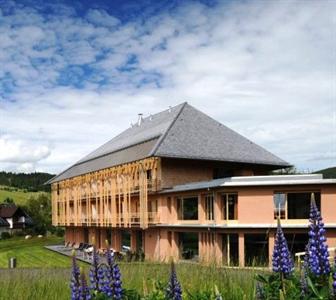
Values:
[(39, 209)]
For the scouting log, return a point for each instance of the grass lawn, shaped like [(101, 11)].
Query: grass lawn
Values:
[(20, 197), (31, 254)]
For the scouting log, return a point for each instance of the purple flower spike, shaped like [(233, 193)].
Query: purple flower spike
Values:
[(95, 273), (84, 291), (334, 279), (281, 260), (113, 284), (318, 255), (75, 278), (174, 291)]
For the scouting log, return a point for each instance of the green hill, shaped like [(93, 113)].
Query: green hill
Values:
[(327, 173), (19, 196)]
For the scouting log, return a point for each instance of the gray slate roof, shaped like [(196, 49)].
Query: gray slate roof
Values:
[(180, 132)]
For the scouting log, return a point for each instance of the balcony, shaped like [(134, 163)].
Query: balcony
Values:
[(108, 220)]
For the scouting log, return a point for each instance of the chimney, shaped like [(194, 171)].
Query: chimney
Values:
[(170, 109), (150, 117), (139, 119)]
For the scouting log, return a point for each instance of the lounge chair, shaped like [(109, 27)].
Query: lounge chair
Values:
[(80, 246)]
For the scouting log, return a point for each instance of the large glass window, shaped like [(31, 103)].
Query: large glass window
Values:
[(229, 206), (294, 205), (209, 207), (187, 208)]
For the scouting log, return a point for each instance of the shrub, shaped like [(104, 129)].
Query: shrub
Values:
[(5, 235)]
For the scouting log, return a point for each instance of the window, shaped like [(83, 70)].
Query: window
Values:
[(279, 200), (229, 206), (222, 173), (209, 207), (187, 208), (294, 205)]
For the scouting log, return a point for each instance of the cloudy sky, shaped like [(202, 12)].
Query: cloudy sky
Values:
[(75, 73)]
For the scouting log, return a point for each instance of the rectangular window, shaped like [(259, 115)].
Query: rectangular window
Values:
[(209, 207), (187, 208), (294, 205), (229, 206), (279, 200)]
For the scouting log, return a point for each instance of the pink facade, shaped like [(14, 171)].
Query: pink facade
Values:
[(217, 238)]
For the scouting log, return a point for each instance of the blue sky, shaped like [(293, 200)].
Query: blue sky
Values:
[(75, 73)]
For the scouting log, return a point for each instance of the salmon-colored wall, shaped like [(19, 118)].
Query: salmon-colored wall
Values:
[(328, 203), (176, 172), (255, 205)]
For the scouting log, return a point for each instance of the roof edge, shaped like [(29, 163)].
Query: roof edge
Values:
[(52, 180)]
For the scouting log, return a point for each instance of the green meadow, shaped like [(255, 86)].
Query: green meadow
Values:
[(19, 196), (42, 274)]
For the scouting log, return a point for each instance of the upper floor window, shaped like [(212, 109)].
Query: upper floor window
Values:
[(294, 205), (187, 208), (209, 207), (229, 205)]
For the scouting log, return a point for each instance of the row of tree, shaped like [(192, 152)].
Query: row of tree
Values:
[(32, 182)]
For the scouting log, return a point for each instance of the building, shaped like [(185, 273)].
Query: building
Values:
[(13, 218), (179, 184)]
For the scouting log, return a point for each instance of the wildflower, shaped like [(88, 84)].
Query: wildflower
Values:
[(281, 260), (75, 278), (96, 273), (334, 279), (113, 284), (174, 291), (84, 292), (318, 254)]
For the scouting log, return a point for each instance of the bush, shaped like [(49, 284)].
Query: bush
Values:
[(5, 235)]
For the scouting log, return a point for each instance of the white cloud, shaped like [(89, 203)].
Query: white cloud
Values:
[(263, 69), (19, 151)]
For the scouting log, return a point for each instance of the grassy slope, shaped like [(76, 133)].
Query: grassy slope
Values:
[(328, 173), (31, 254), (19, 196)]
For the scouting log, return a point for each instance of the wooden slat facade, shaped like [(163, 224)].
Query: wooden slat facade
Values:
[(104, 198)]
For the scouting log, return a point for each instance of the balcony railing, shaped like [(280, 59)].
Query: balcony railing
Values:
[(133, 219)]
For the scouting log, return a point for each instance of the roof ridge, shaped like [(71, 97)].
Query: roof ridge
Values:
[(163, 136)]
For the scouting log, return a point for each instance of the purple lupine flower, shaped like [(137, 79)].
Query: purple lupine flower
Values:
[(174, 291), (281, 260), (84, 291), (334, 279), (96, 273), (75, 278), (318, 254), (113, 283)]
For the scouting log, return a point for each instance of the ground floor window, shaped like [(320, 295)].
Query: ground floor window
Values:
[(125, 240), (188, 245), (230, 249), (256, 249), (296, 242)]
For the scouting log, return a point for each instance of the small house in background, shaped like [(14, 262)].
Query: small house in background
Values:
[(13, 218), (4, 226)]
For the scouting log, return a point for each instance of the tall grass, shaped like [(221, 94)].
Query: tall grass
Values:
[(41, 284)]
